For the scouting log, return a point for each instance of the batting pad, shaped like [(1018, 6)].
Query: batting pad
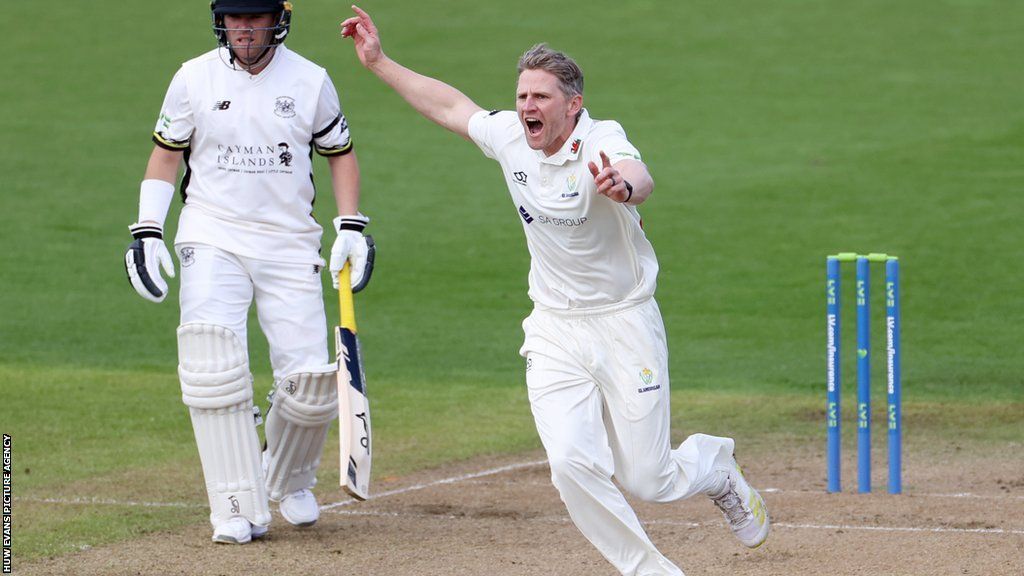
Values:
[(297, 425), (217, 388)]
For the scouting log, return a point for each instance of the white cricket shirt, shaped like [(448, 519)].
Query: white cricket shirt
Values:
[(587, 251), (248, 185)]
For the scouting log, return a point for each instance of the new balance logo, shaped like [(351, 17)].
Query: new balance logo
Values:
[(520, 178), (526, 215), (222, 105)]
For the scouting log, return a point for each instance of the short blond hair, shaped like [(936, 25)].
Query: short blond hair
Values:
[(560, 65)]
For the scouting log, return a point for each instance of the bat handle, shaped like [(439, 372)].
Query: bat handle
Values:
[(346, 304)]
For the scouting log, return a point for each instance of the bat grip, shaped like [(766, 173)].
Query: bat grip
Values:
[(346, 305)]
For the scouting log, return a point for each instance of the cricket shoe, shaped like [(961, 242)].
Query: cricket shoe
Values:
[(237, 530), (743, 507), (300, 508)]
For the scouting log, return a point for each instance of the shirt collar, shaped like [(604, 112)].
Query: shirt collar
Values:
[(573, 145), (274, 59)]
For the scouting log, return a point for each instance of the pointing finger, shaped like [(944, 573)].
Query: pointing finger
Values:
[(605, 161), (367, 21), (593, 169)]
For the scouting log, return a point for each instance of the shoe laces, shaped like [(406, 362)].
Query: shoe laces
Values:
[(300, 495), (731, 505)]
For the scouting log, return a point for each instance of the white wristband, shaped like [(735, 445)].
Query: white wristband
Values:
[(154, 201)]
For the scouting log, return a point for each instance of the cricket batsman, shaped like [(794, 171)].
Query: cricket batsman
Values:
[(245, 118)]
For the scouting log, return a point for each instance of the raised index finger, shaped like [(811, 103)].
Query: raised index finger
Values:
[(367, 21), (605, 162)]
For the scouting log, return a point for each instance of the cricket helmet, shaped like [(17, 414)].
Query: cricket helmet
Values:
[(218, 8)]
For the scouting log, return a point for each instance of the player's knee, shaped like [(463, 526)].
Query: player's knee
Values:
[(647, 482), (308, 399), (646, 490), (570, 467), (213, 367)]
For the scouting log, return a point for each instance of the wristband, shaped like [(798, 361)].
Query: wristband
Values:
[(140, 231), (356, 222), (154, 201)]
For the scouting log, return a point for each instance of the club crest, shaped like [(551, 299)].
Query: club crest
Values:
[(188, 256), (284, 107), (571, 187), (646, 376)]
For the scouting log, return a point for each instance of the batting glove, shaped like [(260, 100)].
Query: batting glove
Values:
[(143, 260), (353, 247)]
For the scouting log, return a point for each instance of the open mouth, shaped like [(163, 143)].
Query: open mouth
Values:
[(534, 126)]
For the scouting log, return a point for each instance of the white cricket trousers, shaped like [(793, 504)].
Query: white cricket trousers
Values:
[(599, 390), (218, 287)]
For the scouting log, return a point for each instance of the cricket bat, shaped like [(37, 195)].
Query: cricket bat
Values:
[(353, 405)]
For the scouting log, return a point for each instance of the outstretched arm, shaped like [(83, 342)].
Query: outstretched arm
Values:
[(435, 100)]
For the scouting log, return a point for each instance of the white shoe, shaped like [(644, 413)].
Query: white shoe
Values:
[(744, 509), (236, 530), (300, 508)]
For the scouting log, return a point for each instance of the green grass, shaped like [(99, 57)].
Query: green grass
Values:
[(777, 133)]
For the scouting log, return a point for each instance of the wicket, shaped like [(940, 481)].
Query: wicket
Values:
[(832, 408)]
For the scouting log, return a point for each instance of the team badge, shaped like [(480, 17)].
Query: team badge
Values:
[(646, 376), (188, 256), (575, 146), (571, 187), (284, 107)]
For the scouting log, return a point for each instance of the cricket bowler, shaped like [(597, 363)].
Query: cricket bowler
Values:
[(595, 345)]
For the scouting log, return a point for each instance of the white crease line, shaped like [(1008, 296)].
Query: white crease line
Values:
[(966, 495), (900, 529), (427, 515), (108, 502), (546, 484), (451, 480), (960, 495), (565, 519)]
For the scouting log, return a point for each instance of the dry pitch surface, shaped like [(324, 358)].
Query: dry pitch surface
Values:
[(960, 515)]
